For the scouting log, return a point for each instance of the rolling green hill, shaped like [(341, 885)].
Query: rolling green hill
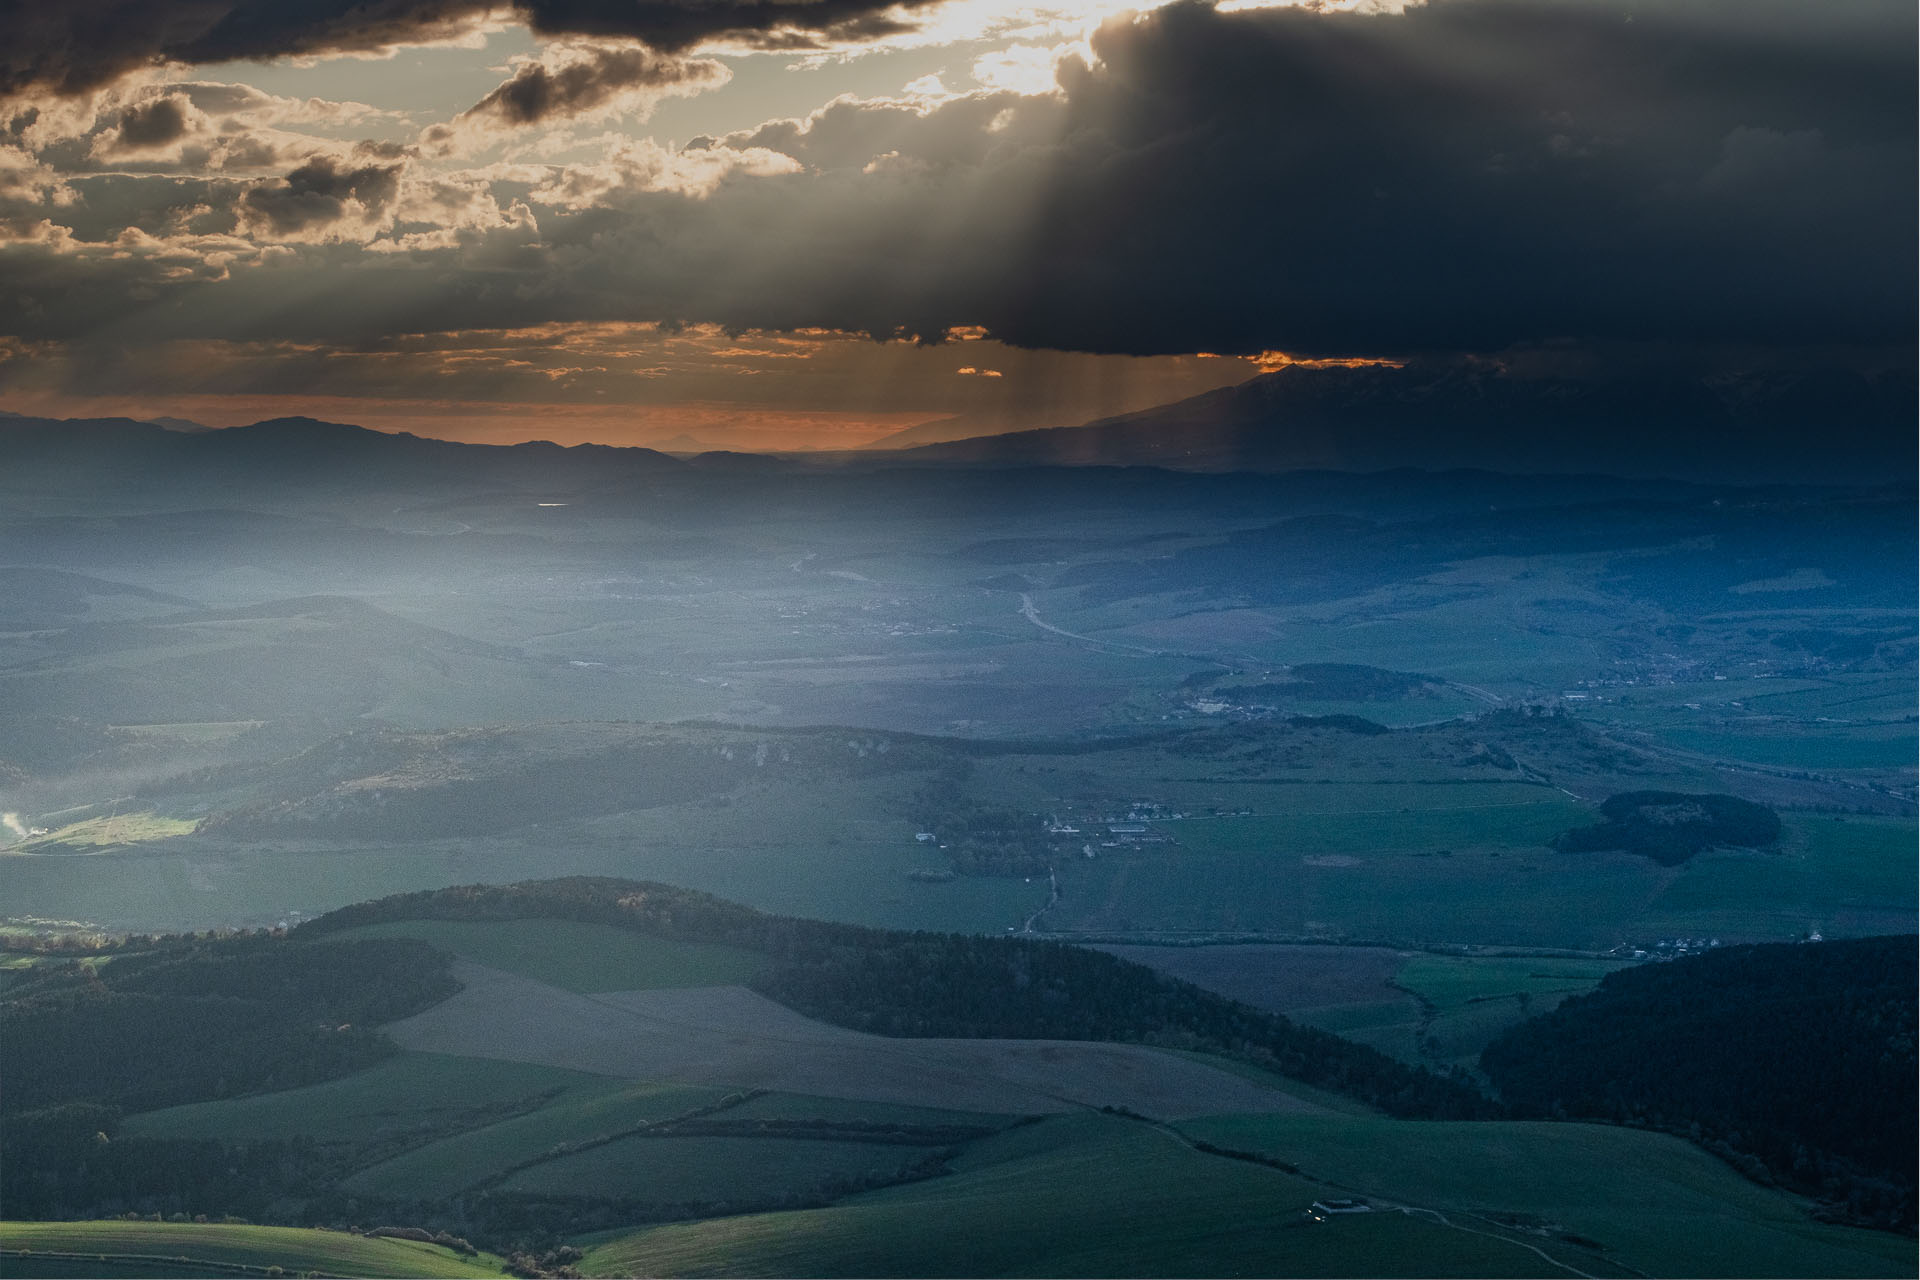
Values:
[(689, 1173), (1106, 1195), (115, 1248)]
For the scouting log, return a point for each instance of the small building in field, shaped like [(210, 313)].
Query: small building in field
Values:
[(1341, 1206)]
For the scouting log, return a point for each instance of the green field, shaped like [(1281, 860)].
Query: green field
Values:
[(1468, 1001), (1875, 746), (408, 1093), (1084, 1195), (716, 1170), (577, 956), (1654, 1203), (1838, 874), (1379, 876), (797, 1106), (109, 832), (292, 1249), (444, 1168), (1451, 983)]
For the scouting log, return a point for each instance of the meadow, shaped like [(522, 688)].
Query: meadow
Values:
[(408, 1094), (116, 1248), (443, 1169), (1050, 1199), (1053, 1199), (1437, 1010), (1643, 1200), (112, 831), (737, 1170)]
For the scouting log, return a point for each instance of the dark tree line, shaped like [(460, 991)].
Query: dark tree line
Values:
[(1796, 1062), (196, 1019), (69, 1161), (186, 1020)]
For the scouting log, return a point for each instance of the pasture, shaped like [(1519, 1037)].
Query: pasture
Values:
[(727, 1037), (1419, 1007), (1647, 1201), (1084, 1195), (444, 1168), (408, 1094), (202, 1248), (1452, 983), (113, 831), (756, 1170), (1838, 874)]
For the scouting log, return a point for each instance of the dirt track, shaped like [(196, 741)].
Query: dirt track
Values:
[(730, 1036)]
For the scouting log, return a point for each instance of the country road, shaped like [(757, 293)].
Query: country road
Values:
[(1031, 613)]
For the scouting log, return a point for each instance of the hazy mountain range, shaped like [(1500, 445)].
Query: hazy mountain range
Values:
[(1826, 425)]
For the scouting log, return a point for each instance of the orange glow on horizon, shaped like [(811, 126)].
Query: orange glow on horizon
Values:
[(745, 428)]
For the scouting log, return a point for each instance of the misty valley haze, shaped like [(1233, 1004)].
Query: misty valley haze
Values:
[(931, 637)]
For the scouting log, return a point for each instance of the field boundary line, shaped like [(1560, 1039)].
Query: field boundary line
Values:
[(560, 1151)]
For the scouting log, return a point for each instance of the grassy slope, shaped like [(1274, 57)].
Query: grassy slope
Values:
[(713, 1169), (1078, 1195), (1659, 1204), (450, 1165), (293, 1248), (798, 1106), (579, 957), (410, 1091), (1096, 1195)]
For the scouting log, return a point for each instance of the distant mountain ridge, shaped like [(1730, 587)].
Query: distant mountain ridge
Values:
[(1818, 426), (306, 452)]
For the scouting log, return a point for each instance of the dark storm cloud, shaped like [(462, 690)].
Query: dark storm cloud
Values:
[(1467, 176), (156, 124), (73, 45), (1479, 173), (595, 78), (321, 192)]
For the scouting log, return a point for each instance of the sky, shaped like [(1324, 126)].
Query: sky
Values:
[(787, 224)]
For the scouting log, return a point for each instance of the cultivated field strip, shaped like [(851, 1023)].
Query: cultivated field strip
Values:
[(733, 1037)]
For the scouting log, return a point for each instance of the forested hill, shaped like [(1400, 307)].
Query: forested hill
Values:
[(1796, 1062), (934, 984)]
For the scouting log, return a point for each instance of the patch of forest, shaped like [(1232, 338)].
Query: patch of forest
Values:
[(1794, 1062), (186, 1019), (1672, 826), (984, 840)]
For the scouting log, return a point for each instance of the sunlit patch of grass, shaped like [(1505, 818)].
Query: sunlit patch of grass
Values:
[(110, 832)]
